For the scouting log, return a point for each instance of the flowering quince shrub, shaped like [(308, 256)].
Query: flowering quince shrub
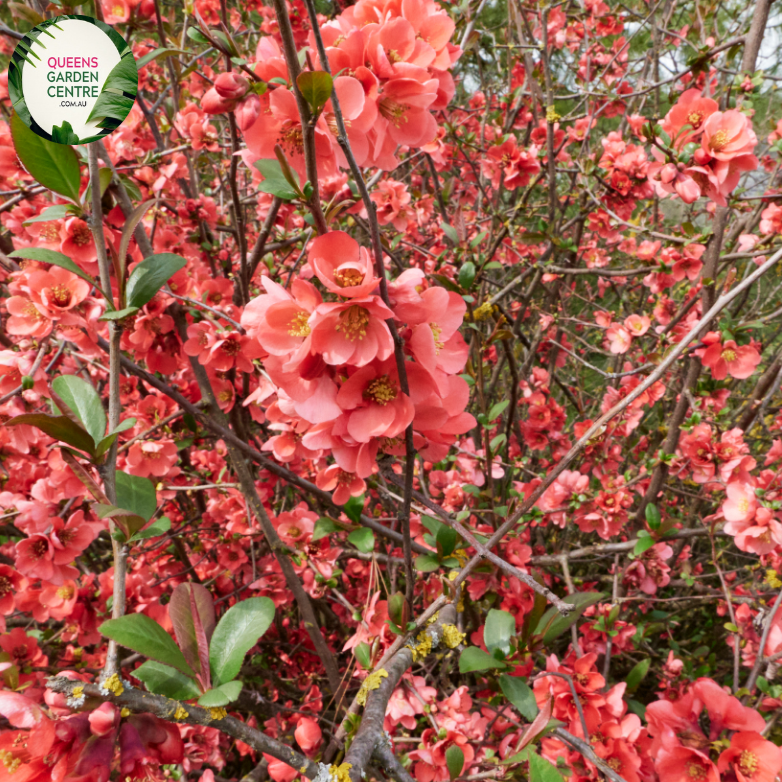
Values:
[(395, 395)]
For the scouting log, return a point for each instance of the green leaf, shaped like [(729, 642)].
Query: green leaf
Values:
[(363, 655), (446, 540), (108, 441), (85, 401), (447, 283), (353, 508), (150, 275), (325, 526), (427, 563), (55, 259), (637, 674), (129, 523), (450, 232), (57, 212), (653, 517), (475, 659), (315, 87), (540, 770), (104, 180), (136, 494), (467, 275), (164, 680), (274, 181), (144, 635), (155, 529), (224, 41), (196, 35), (642, 544), (236, 633), (498, 409), (497, 441), (60, 427), (500, 628), (637, 708), (363, 539), (118, 314), (454, 759), (161, 53), (130, 226), (221, 696), (131, 186), (55, 166), (520, 695), (552, 624)]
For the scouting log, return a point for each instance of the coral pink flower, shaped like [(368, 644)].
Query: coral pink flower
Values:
[(280, 124), (35, 558), (761, 536), (295, 527), (741, 503), (280, 320), (115, 11), (71, 538), (683, 764), (353, 332), (684, 122), (56, 292), (279, 771), (232, 349), (619, 338), (751, 758), (60, 600), (637, 325), (403, 103), (435, 340), (25, 319), (201, 338), (308, 735), (342, 266), (507, 164), (344, 484), (393, 199), (10, 583), (730, 359), (152, 457), (377, 408), (728, 135), (78, 245)]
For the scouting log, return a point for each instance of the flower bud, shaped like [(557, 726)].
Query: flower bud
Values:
[(103, 719), (231, 86), (701, 157), (667, 173), (248, 111), (213, 103)]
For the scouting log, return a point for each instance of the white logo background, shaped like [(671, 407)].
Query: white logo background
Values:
[(76, 39)]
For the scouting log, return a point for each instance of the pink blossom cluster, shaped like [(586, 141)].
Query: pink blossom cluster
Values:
[(332, 362), (722, 150)]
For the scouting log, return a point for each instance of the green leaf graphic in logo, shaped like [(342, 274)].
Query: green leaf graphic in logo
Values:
[(64, 134), (118, 94)]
